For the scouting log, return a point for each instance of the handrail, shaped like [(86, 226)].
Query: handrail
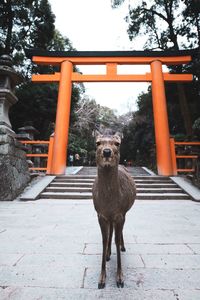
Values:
[(34, 142), (37, 155), (175, 156), (47, 155), (187, 143)]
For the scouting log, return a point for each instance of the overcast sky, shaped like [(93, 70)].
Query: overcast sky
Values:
[(94, 25)]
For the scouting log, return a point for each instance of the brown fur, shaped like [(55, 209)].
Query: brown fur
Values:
[(114, 193)]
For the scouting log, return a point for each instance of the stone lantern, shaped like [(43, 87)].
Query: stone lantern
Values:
[(14, 172)]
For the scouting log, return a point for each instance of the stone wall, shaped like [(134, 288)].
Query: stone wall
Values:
[(14, 174)]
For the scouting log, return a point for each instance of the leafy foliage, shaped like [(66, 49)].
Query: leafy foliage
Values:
[(138, 144), (90, 117), (164, 25), (23, 24), (30, 24)]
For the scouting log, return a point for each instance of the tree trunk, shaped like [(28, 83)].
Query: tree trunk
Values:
[(10, 15), (181, 91), (184, 109)]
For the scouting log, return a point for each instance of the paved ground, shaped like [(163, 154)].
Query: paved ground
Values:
[(52, 250)]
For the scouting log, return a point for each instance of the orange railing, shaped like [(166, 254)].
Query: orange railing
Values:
[(47, 155), (184, 154)]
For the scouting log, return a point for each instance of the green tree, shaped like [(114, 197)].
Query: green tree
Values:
[(30, 24), (167, 25), (90, 117), (191, 15), (23, 24), (139, 144)]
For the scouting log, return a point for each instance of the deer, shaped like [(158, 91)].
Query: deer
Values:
[(114, 193)]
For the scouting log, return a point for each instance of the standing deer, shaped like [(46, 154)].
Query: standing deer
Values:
[(114, 193)]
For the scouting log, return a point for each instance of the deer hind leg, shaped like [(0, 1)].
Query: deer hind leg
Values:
[(109, 241), (104, 225), (119, 222), (123, 249)]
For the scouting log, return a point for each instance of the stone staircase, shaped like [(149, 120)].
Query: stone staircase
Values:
[(80, 187)]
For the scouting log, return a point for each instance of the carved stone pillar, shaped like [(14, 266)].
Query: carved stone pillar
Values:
[(14, 174)]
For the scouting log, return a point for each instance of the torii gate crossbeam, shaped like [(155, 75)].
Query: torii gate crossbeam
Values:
[(111, 59)]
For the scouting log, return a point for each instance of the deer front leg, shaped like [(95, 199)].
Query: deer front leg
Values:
[(118, 236), (109, 241), (104, 225)]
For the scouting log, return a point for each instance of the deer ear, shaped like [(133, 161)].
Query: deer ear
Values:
[(118, 136), (96, 134)]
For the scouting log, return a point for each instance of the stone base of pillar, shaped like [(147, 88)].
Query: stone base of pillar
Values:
[(14, 173)]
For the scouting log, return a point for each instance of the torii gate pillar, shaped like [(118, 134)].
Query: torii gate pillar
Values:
[(162, 136), (62, 120)]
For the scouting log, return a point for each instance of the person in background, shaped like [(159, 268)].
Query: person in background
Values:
[(77, 159), (71, 160)]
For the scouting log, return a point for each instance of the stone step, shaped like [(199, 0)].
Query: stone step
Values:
[(80, 187), (90, 184), (90, 199), (159, 190), (153, 179), (156, 185), (163, 196), (71, 184), (83, 180), (140, 196), (87, 180), (66, 195), (74, 177), (69, 189), (66, 199), (89, 189)]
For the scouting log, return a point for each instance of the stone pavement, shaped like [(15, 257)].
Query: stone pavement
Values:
[(51, 249)]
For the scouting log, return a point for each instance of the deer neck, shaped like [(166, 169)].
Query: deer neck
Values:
[(108, 177)]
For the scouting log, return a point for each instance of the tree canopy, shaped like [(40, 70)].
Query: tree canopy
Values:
[(166, 25), (25, 23), (31, 24)]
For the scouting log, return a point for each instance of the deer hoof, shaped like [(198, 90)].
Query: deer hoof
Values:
[(101, 285), (120, 283), (123, 249)]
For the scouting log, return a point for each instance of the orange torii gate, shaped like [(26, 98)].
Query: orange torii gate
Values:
[(67, 59)]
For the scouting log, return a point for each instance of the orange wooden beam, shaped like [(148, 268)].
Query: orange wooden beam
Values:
[(177, 77), (58, 164), (187, 156), (77, 77), (111, 69), (34, 142), (188, 143), (173, 60), (173, 155), (46, 77), (37, 155), (50, 154), (162, 137), (38, 169), (185, 170), (111, 76)]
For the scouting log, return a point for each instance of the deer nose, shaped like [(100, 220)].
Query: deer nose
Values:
[(106, 152)]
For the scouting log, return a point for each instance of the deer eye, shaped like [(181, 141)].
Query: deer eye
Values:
[(98, 144), (117, 144)]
